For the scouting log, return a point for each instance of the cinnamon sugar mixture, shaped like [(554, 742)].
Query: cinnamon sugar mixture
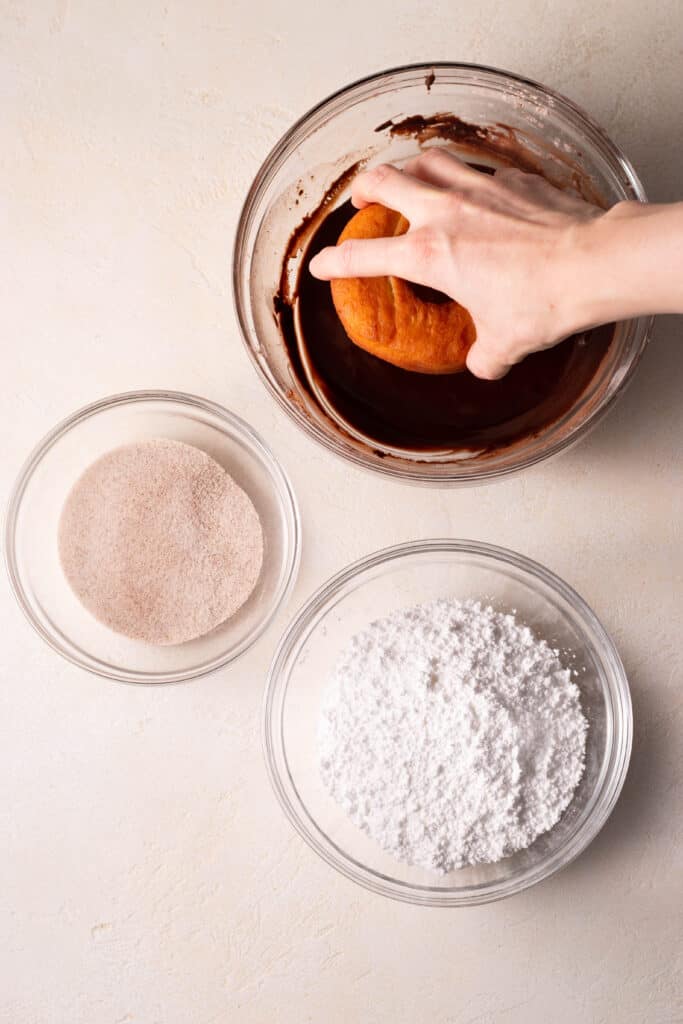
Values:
[(159, 543)]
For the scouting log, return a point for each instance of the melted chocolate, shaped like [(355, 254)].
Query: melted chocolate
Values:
[(402, 409), (500, 141)]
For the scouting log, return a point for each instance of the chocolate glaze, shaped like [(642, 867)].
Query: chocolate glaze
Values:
[(499, 141), (423, 412), (419, 411)]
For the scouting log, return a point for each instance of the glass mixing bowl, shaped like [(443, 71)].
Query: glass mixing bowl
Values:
[(343, 129), (36, 504), (399, 577)]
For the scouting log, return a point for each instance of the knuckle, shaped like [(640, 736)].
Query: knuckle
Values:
[(377, 175), (457, 204), (522, 179), (424, 245), (533, 181), (513, 178), (347, 255), (509, 173), (432, 157)]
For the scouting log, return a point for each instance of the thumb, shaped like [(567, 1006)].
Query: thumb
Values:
[(485, 363)]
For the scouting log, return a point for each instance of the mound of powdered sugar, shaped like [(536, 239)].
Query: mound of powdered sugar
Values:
[(451, 734), (159, 542)]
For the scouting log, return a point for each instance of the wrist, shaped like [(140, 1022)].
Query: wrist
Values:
[(625, 263), (597, 290)]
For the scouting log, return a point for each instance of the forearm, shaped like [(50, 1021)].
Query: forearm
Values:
[(629, 263)]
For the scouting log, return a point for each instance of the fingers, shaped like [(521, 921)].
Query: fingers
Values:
[(523, 182), (387, 185), (485, 363), (437, 166), (535, 188), (361, 257)]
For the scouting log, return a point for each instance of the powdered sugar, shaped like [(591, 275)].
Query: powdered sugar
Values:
[(451, 734)]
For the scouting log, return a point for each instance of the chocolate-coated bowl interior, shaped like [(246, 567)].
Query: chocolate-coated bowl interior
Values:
[(388, 117)]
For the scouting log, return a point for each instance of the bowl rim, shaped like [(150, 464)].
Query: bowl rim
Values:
[(459, 474), (613, 770), (280, 485)]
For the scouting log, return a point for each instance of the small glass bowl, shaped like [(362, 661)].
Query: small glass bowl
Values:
[(352, 125), (38, 497), (399, 577)]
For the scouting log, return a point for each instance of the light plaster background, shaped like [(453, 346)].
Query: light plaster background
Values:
[(147, 874)]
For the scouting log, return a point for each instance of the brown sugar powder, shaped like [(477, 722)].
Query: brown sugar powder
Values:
[(159, 542)]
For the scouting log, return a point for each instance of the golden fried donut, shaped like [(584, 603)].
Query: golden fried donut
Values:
[(387, 317)]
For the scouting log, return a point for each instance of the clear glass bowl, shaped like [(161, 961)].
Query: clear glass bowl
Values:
[(341, 130), (56, 463), (406, 575)]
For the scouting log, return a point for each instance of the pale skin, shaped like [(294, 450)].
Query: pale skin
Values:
[(533, 264)]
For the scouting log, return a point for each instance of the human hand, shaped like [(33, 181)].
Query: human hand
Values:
[(509, 247)]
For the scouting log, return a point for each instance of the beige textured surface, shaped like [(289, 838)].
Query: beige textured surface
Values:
[(147, 874)]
